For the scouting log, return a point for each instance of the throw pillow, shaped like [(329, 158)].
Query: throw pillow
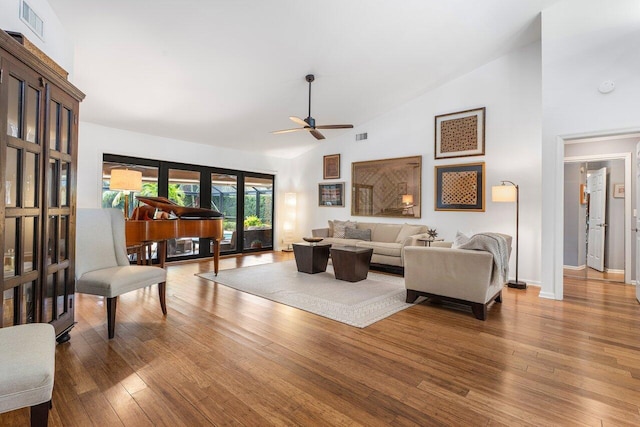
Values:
[(330, 228), (356, 233), (339, 228), (460, 240)]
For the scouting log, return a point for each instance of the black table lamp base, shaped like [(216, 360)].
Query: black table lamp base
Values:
[(516, 284)]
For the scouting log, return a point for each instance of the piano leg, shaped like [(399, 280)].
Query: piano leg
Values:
[(216, 255), (162, 252)]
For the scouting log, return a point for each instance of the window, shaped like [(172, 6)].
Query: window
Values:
[(247, 220)]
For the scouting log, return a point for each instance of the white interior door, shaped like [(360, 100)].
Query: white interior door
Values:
[(638, 222), (597, 186)]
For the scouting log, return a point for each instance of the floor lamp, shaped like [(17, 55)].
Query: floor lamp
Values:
[(510, 192), (289, 226), (125, 180)]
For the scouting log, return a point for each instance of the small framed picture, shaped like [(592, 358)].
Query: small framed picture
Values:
[(331, 167), (584, 196), (618, 191), (460, 187), (460, 134), (331, 194)]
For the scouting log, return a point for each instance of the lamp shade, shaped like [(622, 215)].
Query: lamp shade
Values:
[(125, 180), (290, 203), (504, 193), (407, 199)]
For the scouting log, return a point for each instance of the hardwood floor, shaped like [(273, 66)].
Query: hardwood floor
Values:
[(591, 274), (223, 357)]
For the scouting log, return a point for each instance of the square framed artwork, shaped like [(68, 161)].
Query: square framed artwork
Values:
[(460, 134), (331, 167), (460, 187), (331, 194), (618, 191)]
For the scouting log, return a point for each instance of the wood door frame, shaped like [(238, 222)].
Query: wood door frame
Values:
[(627, 200)]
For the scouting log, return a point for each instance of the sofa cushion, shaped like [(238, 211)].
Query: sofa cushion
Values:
[(390, 249), (367, 226), (386, 233), (341, 242), (409, 230), (340, 226), (356, 233)]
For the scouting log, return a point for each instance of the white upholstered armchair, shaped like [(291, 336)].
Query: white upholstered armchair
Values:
[(102, 265), (459, 275)]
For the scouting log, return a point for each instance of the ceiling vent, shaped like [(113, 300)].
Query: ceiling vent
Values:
[(32, 20), (361, 136)]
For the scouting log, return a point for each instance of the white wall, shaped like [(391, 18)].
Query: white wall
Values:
[(55, 44), (509, 88), (584, 42)]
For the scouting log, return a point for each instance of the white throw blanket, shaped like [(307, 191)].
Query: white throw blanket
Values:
[(496, 245)]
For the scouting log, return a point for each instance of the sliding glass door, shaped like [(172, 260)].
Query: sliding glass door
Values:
[(245, 199), (258, 213), (224, 199), (184, 190)]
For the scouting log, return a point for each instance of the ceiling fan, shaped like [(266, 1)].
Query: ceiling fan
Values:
[(309, 124)]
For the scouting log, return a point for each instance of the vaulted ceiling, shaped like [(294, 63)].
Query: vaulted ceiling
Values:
[(227, 72)]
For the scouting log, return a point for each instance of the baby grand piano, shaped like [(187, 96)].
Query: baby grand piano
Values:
[(179, 222)]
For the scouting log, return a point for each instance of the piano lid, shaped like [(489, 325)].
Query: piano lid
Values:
[(168, 206)]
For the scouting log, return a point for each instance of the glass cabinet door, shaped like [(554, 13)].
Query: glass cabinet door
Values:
[(60, 178), (22, 221)]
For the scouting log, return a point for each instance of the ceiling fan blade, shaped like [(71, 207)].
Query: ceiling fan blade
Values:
[(286, 130), (316, 134), (334, 127), (298, 120)]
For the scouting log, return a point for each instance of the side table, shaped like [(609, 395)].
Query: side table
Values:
[(311, 258), (426, 241), (350, 263)]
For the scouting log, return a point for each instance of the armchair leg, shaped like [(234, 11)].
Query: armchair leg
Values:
[(479, 310), (499, 297), (412, 296), (40, 414), (111, 316), (162, 291)]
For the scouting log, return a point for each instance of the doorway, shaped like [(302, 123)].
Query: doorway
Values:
[(594, 220), (597, 221)]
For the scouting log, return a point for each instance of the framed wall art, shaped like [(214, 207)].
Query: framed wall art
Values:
[(331, 167), (584, 196), (387, 187), (460, 187), (331, 194), (460, 134), (618, 191)]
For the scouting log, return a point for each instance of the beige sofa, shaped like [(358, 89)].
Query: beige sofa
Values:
[(459, 275), (387, 241)]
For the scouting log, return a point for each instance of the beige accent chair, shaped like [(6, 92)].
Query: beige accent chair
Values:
[(27, 368), (458, 275), (102, 265)]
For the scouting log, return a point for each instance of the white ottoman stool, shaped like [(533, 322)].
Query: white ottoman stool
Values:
[(27, 367)]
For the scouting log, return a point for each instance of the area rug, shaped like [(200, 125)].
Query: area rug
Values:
[(357, 304)]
